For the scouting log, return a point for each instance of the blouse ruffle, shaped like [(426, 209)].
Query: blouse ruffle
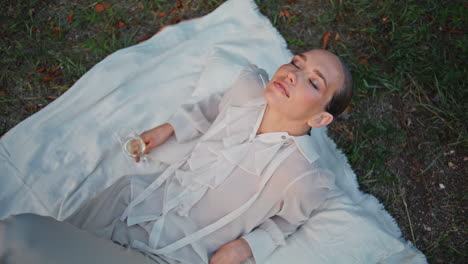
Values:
[(209, 164)]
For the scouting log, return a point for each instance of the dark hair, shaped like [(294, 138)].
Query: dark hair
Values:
[(341, 98)]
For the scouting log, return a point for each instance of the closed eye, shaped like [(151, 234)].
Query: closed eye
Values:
[(314, 84), (293, 62)]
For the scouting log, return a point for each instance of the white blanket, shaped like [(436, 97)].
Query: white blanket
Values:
[(54, 160)]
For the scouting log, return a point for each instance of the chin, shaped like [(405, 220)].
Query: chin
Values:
[(274, 102), (270, 96)]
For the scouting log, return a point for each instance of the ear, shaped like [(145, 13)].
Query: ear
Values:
[(320, 120)]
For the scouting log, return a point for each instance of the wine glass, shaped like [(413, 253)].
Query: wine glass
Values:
[(132, 144)]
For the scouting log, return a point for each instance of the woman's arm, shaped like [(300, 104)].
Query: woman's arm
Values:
[(189, 122), (194, 119), (306, 194), (156, 136), (234, 252)]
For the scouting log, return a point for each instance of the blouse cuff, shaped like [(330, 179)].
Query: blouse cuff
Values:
[(183, 130), (261, 244)]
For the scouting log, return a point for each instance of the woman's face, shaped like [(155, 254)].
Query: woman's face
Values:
[(300, 90)]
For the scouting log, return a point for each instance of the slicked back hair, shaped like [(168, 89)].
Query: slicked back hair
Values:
[(342, 97)]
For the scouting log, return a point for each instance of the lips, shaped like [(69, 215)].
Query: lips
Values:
[(282, 87)]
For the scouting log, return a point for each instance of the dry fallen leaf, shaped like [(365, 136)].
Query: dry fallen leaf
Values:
[(325, 40), (416, 167), (52, 70), (31, 108), (173, 11), (363, 59), (455, 31), (176, 20), (143, 38), (101, 7), (161, 14), (57, 30), (48, 78), (337, 37), (179, 4), (121, 24), (70, 17), (40, 69), (284, 13)]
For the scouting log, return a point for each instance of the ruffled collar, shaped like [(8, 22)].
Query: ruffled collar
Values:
[(304, 143)]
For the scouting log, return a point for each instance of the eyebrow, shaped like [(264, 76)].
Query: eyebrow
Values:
[(302, 56), (316, 71)]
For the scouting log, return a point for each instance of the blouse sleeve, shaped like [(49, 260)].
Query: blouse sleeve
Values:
[(193, 120), (300, 199)]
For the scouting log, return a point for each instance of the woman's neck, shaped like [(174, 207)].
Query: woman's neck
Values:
[(274, 122)]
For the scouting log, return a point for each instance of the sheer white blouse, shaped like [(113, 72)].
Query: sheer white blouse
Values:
[(232, 184)]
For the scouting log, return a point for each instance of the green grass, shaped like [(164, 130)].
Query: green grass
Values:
[(413, 47), (372, 138)]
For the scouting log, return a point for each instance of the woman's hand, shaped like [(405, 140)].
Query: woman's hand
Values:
[(234, 252), (155, 137)]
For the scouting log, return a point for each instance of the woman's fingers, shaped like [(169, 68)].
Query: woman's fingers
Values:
[(148, 145), (156, 136), (146, 136), (148, 140)]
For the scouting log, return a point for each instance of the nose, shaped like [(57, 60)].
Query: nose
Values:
[(291, 77)]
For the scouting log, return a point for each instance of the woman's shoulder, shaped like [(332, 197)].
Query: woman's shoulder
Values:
[(300, 171), (249, 85), (253, 73)]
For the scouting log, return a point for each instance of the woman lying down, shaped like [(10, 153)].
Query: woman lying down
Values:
[(250, 181)]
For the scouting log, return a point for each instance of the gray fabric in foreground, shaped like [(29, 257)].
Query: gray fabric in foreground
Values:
[(32, 239)]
